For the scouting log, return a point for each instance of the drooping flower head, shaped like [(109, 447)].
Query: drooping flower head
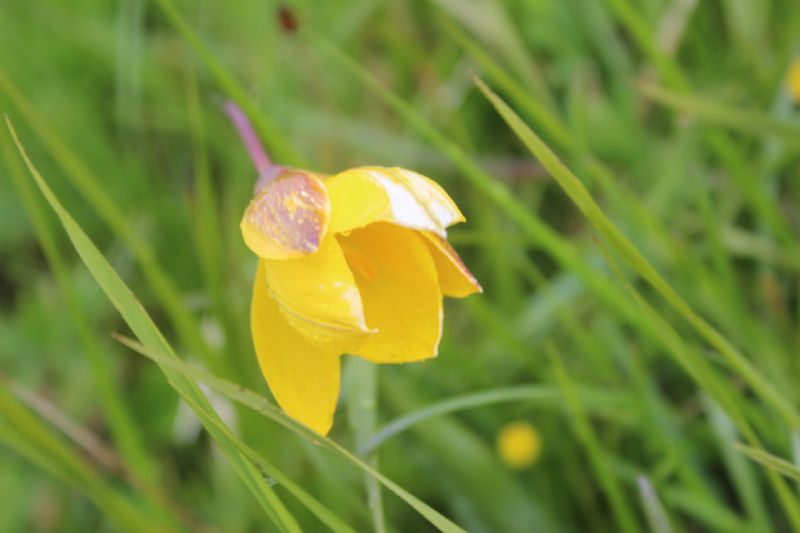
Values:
[(352, 263)]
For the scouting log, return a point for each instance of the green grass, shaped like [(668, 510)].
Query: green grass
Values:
[(629, 171)]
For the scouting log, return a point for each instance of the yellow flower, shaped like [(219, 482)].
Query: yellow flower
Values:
[(793, 80), (519, 445), (354, 263)]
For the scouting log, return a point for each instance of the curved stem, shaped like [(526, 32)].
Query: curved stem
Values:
[(258, 155), (507, 394)]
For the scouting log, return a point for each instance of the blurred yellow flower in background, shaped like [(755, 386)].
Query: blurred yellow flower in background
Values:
[(793, 80), (353, 263), (519, 444)]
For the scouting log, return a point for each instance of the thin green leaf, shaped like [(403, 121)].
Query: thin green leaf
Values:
[(140, 465), (263, 406), (773, 462), (656, 514), (312, 504), (620, 507), (715, 516), (745, 121), (524, 393), (535, 109), (279, 148), (573, 187), (492, 24), (89, 185), (143, 327), (702, 373), (361, 382), (24, 433), (742, 473)]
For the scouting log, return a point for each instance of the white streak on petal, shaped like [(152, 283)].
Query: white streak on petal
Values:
[(406, 207), (436, 201)]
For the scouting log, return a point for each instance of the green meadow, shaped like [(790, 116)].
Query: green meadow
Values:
[(630, 175)]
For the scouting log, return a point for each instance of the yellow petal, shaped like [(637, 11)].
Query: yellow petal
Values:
[(361, 196), (455, 279), (303, 378), (402, 300), (319, 296), (288, 217)]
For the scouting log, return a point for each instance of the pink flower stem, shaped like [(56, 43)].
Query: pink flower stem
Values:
[(258, 155)]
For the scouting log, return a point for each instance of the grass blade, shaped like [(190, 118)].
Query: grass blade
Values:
[(361, 382), (138, 463), (140, 323), (742, 473), (311, 503), (581, 197), (522, 393), (749, 122), (773, 462), (278, 147), (263, 406), (656, 514), (540, 113), (702, 373), (620, 507), (24, 433), (83, 179)]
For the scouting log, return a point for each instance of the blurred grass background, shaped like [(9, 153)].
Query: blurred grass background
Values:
[(677, 117)]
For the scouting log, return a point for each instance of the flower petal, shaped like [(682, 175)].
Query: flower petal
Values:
[(319, 297), (288, 217), (364, 195), (402, 300), (455, 279), (303, 378)]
